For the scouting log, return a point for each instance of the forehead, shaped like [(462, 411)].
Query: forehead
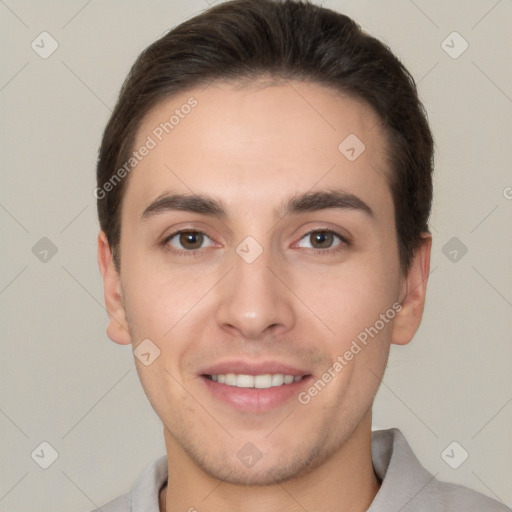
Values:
[(262, 141)]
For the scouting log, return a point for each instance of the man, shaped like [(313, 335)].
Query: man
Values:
[(264, 188)]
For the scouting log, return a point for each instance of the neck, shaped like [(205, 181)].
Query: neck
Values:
[(346, 481)]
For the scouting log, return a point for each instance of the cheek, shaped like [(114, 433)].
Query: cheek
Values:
[(167, 306), (150, 311), (155, 296), (359, 312), (351, 298)]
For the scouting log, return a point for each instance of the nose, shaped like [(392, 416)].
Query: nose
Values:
[(254, 300)]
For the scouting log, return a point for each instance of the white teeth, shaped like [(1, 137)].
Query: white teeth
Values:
[(277, 379), (263, 381), (244, 381), (230, 379)]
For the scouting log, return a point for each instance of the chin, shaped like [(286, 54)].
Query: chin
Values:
[(269, 469)]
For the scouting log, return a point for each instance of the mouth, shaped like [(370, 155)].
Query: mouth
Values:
[(262, 381), (254, 388)]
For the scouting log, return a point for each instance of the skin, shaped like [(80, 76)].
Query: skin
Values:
[(252, 148)]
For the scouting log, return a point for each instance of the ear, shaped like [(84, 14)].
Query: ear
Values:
[(117, 329), (412, 294)]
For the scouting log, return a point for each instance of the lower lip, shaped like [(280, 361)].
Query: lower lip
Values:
[(255, 400)]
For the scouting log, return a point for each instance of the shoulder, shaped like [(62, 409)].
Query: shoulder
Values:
[(120, 504), (409, 487), (143, 496), (455, 497)]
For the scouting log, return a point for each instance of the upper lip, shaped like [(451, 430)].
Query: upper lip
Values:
[(252, 368)]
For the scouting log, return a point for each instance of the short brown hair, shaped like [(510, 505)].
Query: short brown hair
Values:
[(285, 39)]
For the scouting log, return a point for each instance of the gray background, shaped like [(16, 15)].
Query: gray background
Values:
[(65, 383)]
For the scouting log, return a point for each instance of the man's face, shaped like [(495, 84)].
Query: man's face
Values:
[(263, 291)]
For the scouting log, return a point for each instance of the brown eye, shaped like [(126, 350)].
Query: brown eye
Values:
[(191, 240), (322, 240), (187, 240)]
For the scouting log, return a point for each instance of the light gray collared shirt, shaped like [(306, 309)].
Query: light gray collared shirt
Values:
[(406, 485)]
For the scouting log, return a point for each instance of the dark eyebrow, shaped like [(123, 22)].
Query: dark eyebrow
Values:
[(195, 203), (320, 200), (306, 202)]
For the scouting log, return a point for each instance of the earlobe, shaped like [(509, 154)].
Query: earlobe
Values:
[(117, 328), (414, 288)]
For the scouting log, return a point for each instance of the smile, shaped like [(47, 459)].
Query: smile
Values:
[(262, 381)]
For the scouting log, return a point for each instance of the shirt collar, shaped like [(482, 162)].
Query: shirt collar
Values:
[(401, 474)]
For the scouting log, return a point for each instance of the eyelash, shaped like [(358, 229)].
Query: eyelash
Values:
[(194, 252)]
